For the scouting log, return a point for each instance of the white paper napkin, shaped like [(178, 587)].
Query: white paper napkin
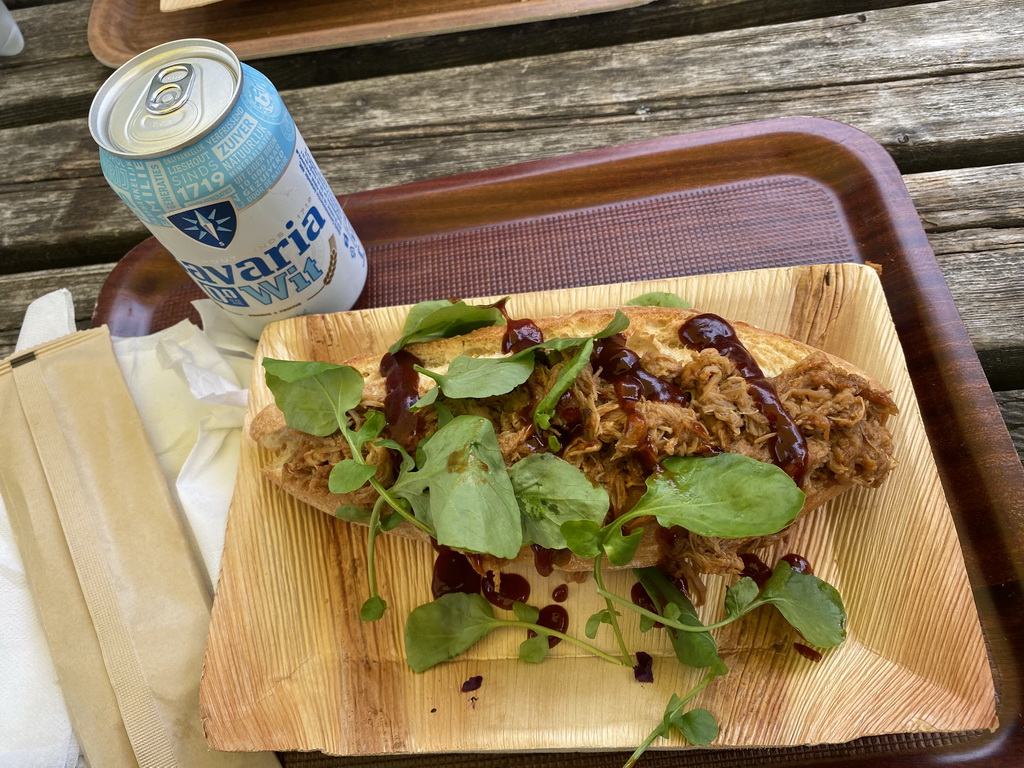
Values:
[(187, 385), (190, 389)]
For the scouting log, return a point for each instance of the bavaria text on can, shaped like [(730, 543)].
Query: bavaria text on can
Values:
[(204, 152)]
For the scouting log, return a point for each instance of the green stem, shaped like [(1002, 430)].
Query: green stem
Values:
[(613, 619), (569, 639), (669, 622), (396, 505), (371, 549), (638, 752), (662, 730), (392, 502)]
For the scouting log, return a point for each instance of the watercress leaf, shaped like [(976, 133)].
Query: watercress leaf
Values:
[(646, 623), (407, 460), (672, 611), (373, 609), (534, 649), (550, 491), (604, 616), (420, 506), (658, 299), (698, 726), (420, 311), (390, 522), (353, 514), (314, 397), (446, 627), (442, 319), (370, 429), (525, 613), (471, 504), (739, 598), (443, 415), (672, 710), (348, 475), (694, 649), (620, 549), (812, 606), (583, 537), (545, 410), (618, 323), (728, 496), (291, 371), (479, 377), (428, 399)]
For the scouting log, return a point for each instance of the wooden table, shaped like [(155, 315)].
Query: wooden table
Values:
[(937, 84)]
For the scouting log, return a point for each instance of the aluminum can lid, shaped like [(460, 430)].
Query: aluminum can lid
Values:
[(165, 98)]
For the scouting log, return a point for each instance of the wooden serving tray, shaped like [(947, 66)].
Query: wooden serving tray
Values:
[(778, 193), (253, 29)]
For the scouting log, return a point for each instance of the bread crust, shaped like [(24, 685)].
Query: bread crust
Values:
[(651, 330)]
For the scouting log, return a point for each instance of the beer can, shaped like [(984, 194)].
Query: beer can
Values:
[(202, 149)]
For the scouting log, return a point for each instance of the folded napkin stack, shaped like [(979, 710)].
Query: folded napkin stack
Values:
[(189, 386)]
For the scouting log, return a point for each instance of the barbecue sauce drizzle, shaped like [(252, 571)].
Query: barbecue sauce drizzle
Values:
[(788, 447), (401, 391)]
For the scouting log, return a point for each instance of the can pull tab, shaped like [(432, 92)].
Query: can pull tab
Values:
[(169, 88)]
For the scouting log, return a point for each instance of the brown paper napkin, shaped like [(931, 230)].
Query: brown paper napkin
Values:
[(120, 595)]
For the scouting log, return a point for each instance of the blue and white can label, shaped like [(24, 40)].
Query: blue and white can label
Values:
[(248, 214)]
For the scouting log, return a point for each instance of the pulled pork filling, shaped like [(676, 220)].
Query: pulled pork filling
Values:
[(841, 417)]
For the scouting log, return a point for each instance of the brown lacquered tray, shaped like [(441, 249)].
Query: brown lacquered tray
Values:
[(779, 193), (119, 29)]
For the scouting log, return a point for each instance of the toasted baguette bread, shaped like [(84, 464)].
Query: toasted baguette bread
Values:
[(653, 333)]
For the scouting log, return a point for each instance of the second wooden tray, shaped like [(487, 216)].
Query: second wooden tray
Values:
[(253, 29)]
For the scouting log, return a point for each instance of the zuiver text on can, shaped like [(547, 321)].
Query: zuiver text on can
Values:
[(205, 153)]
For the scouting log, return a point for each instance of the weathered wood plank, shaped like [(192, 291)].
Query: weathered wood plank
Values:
[(382, 139), (402, 128), (22, 289), (1011, 405), (969, 197), (72, 76), (983, 268)]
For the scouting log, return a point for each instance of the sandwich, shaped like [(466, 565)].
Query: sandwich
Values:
[(648, 416)]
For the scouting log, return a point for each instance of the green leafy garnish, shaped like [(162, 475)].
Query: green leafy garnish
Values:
[(463, 490), (811, 606), (481, 376), (729, 496), (534, 649), (453, 623), (567, 375), (604, 616), (551, 491), (697, 726), (583, 537), (445, 628), (478, 377), (349, 475), (314, 397), (431, 320), (694, 649), (659, 299)]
